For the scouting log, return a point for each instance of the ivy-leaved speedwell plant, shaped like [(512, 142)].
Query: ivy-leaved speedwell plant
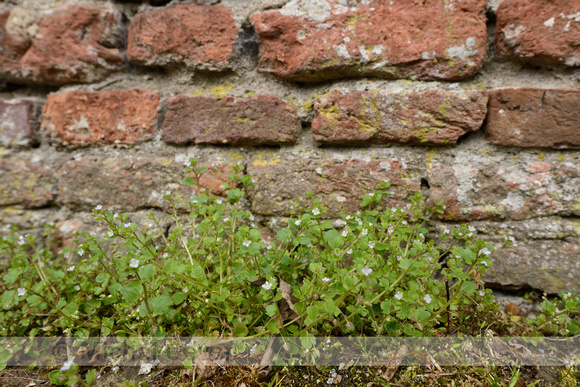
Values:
[(215, 275)]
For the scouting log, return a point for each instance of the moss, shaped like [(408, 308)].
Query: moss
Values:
[(307, 106), (561, 157), (498, 211), (575, 207), (264, 159), (245, 120), (541, 156), (430, 154)]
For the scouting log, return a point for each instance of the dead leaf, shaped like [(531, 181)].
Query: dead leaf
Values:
[(286, 305), (513, 309), (258, 282), (394, 363)]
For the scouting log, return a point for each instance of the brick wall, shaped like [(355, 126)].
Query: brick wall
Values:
[(475, 104)]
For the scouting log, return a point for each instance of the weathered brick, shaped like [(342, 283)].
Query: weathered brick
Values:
[(497, 186), (59, 46), (184, 35), (131, 183), (423, 39), (259, 120), (542, 32), (434, 117), (17, 123), (338, 183), (26, 185), (534, 118), (548, 265), (80, 118)]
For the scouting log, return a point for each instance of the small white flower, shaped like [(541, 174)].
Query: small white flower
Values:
[(315, 211), (269, 247), (164, 255), (134, 263), (364, 231), (372, 194), (485, 251), (344, 233), (128, 224), (471, 228), (226, 219), (297, 222), (115, 369), (399, 295), (247, 242), (485, 263), (358, 212), (404, 222), (366, 271), (348, 217), (267, 285), (444, 206), (399, 257), (218, 239), (326, 279), (219, 201), (427, 298), (66, 366), (21, 240), (446, 231), (115, 215), (21, 292), (71, 268), (110, 233), (349, 251), (77, 288), (330, 381), (371, 245), (390, 229), (99, 207), (185, 290), (482, 293), (251, 217)]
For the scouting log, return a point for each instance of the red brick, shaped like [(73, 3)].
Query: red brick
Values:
[(63, 45), (549, 265), (542, 32), (423, 39), (434, 117), (473, 186), (17, 123), (259, 120), (339, 184), (26, 185), (184, 35), (534, 118), (80, 118), (131, 183)]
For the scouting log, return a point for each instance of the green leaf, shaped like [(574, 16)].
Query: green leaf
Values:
[(333, 238), (178, 298), (331, 308), (90, 376), (131, 292), (188, 180), (146, 271), (273, 327), (271, 310), (160, 304), (349, 282), (284, 234), (34, 300), (240, 330)]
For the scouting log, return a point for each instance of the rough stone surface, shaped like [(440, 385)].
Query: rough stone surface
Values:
[(551, 266), (312, 40), (534, 118), (339, 184), (544, 32), (191, 35), (259, 120), (473, 186), (130, 184), (24, 184), (65, 45), (17, 123), (80, 118), (434, 117)]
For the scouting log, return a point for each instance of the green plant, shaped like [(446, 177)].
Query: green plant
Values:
[(215, 275)]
